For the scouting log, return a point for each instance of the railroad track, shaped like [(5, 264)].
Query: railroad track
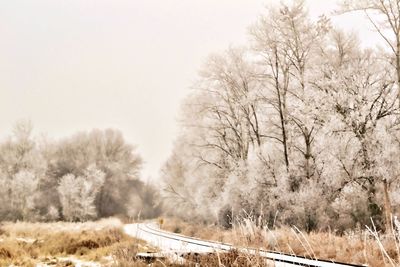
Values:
[(183, 244)]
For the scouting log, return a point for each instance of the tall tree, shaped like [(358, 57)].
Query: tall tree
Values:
[(384, 15), (360, 91), (287, 43)]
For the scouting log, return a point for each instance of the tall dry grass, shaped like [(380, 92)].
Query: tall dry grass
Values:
[(231, 258), (29, 244), (366, 246)]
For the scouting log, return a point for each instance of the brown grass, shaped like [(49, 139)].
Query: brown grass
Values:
[(58, 244), (232, 258), (352, 247), (26, 244)]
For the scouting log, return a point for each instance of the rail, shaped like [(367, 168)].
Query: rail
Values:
[(287, 259)]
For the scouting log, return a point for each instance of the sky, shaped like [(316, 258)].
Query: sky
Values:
[(76, 65)]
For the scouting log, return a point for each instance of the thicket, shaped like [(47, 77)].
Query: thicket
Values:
[(83, 177), (300, 127)]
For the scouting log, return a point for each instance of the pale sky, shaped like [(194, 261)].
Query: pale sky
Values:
[(75, 65)]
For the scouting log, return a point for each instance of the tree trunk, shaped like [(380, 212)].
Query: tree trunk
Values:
[(284, 139), (387, 206), (308, 155), (398, 68), (283, 127)]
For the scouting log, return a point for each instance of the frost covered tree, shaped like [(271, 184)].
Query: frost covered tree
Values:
[(21, 168), (69, 193), (222, 126), (287, 43), (228, 106), (24, 190), (176, 172), (86, 176), (384, 16), (19, 151), (78, 194), (302, 128), (361, 92), (109, 152)]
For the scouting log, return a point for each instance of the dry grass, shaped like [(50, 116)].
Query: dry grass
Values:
[(232, 258), (102, 242), (27, 244), (353, 247), (203, 231)]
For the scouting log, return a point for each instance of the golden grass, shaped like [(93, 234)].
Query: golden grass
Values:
[(26, 244), (231, 258), (356, 247)]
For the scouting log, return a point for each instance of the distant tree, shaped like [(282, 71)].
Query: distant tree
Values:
[(69, 191), (52, 213), (4, 194), (21, 167), (145, 203), (109, 152), (179, 197), (78, 194), (86, 176), (24, 190), (19, 151)]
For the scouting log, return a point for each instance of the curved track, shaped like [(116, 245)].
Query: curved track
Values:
[(170, 242)]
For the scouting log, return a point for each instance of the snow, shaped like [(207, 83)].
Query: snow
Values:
[(174, 244)]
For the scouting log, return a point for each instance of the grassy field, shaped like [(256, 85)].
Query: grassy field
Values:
[(100, 243), (360, 247)]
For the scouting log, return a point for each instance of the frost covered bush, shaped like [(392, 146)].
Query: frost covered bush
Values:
[(78, 194)]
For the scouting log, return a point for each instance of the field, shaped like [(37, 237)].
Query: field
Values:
[(103, 243), (100, 243)]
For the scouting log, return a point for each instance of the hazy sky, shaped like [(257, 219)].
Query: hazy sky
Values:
[(72, 65)]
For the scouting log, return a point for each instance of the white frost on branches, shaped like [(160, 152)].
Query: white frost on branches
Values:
[(78, 194)]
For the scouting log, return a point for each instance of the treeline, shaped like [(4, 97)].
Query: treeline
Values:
[(301, 127), (83, 177)]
